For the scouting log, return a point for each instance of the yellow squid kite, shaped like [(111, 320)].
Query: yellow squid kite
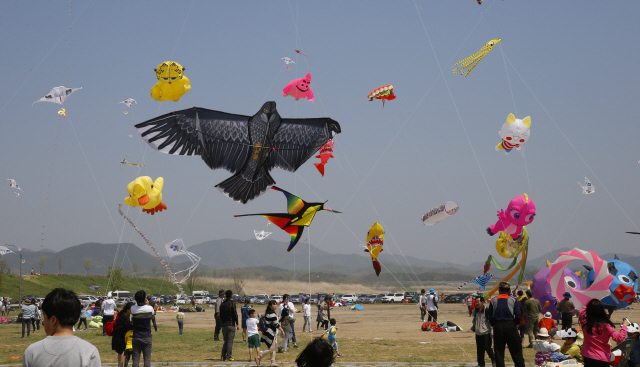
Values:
[(473, 60), (375, 240)]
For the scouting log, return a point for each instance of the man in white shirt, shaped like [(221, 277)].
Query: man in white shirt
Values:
[(432, 305), (288, 304), (422, 303), (306, 314), (108, 309)]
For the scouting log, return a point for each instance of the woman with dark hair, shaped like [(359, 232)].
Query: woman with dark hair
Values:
[(597, 330), (122, 326), (324, 309), (318, 353), (270, 335)]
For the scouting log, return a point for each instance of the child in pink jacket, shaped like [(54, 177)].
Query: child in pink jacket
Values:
[(598, 329)]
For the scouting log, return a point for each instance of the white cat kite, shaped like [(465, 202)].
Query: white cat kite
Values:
[(514, 133)]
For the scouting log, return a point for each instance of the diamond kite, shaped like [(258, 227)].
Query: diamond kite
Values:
[(472, 61), (261, 235), (12, 183)]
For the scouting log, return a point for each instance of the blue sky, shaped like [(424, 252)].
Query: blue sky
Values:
[(392, 165)]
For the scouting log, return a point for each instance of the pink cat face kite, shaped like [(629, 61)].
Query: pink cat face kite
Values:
[(299, 88), (520, 212)]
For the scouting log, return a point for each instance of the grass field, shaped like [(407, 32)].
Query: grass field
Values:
[(380, 333)]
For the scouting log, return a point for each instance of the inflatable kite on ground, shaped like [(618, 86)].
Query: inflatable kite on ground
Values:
[(12, 183), (166, 267), (375, 241), (124, 161), (5, 250), (299, 88), (542, 289), (128, 102), (57, 95), (440, 212), (147, 194), (598, 288), (300, 214), (472, 61), (298, 52), (261, 235), (384, 93), (326, 152), (514, 133), (588, 187), (247, 146), (624, 284), (172, 83), (482, 281), (177, 247)]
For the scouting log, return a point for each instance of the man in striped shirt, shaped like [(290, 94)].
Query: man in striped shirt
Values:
[(141, 315)]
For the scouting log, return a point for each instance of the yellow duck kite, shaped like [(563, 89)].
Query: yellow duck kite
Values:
[(147, 194), (472, 61), (375, 240), (172, 83)]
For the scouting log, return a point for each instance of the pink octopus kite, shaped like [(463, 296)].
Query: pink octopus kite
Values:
[(520, 212), (299, 88), (598, 289)]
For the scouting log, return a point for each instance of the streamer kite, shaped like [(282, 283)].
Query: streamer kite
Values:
[(172, 83), (481, 280), (247, 146), (128, 102), (166, 267), (326, 152), (465, 66), (177, 247), (514, 133), (599, 286), (12, 183), (624, 285), (588, 187), (375, 241), (57, 95), (147, 194), (124, 161), (440, 212), (300, 214), (299, 88), (384, 93)]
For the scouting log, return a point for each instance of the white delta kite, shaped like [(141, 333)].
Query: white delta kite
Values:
[(176, 248)]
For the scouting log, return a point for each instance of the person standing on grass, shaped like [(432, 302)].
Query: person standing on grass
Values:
[(422, 303), (532, 308), (469, 302), (306, 314), (285, 322), (597, 330), (481, 325), (432, 305), (270, 335), (154, 303), (180, 318), (83, 316), (216, 333), (61, 310), (253, 338), (566, 308), (28, 313), (108, 308), (325, 311), (141, 315), (504, 313), (331, 332), (229, 325), (286, 303), (120, 329), (244, 311)]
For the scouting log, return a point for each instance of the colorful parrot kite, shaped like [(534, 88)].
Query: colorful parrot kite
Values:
[(383, 93), (624, 286), (472, 61), (300, 214), (247, 146), (12, 183), (172, 83), (261, 235), (514, 133), (326, 152), (299, 88), (375, 241), (147, 194), (588, 187), (128, 102), (57, 95), (124, 161)]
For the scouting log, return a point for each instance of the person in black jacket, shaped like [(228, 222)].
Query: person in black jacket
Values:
[(122, 326), (504, 313), (228, 324)]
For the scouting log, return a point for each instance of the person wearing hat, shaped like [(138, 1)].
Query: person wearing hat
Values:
[(549, 324), (633, 331), (570, 347), (504, 313), (28, 314), (432, 305), (566, 308), (216, 333), (532, 309)]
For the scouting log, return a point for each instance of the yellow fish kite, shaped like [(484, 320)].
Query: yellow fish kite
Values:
[(375, 240), (473, 60)]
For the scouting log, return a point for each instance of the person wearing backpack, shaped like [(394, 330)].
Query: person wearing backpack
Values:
[(482, 327), (505, 316), (122, 326), (269, 325)]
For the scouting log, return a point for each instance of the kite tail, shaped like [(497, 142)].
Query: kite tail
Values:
[(520, 267), (320, 168), (240, 189), (377, 267)]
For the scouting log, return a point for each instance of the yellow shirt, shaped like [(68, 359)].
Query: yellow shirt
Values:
[(128, 337)]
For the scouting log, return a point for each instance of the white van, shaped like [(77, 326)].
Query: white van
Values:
[(200, 294), (393, 297)]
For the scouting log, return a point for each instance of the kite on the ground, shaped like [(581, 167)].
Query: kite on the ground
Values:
[(440, 212), (375, 241), (384, 93), (128, 102), (587, 188), (624, 285), (124, 161), (57, 95), (542, 289), (326, 152), (5, 250), (299, 88), (261, 235), (300, 214), (177, 247), (247, 146), (473, 60), (514, 133), (298, 52), (147, 194), (12, 183), (172, 83)]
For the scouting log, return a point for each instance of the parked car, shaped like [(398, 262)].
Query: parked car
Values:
[(455, 298), (372, 298), (277, 298), (183, 301), (252, 298), (238, 298), (414, 299), (262, 299), (393, 297), (314, 299), (410, 294), (362, 297), (349, 298), (295, 299)]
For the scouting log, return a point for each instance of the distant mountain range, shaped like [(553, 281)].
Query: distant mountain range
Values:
[(267, 254)]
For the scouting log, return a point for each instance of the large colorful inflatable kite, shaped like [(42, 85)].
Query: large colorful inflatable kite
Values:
[(299, 88), (464, 66), (172, 83), (375, 241), (623, 287), (440, 212), (147, 194), (247, 146), (384, 93), (520, 212), (514, 133), (542, 289), (300, 214)]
